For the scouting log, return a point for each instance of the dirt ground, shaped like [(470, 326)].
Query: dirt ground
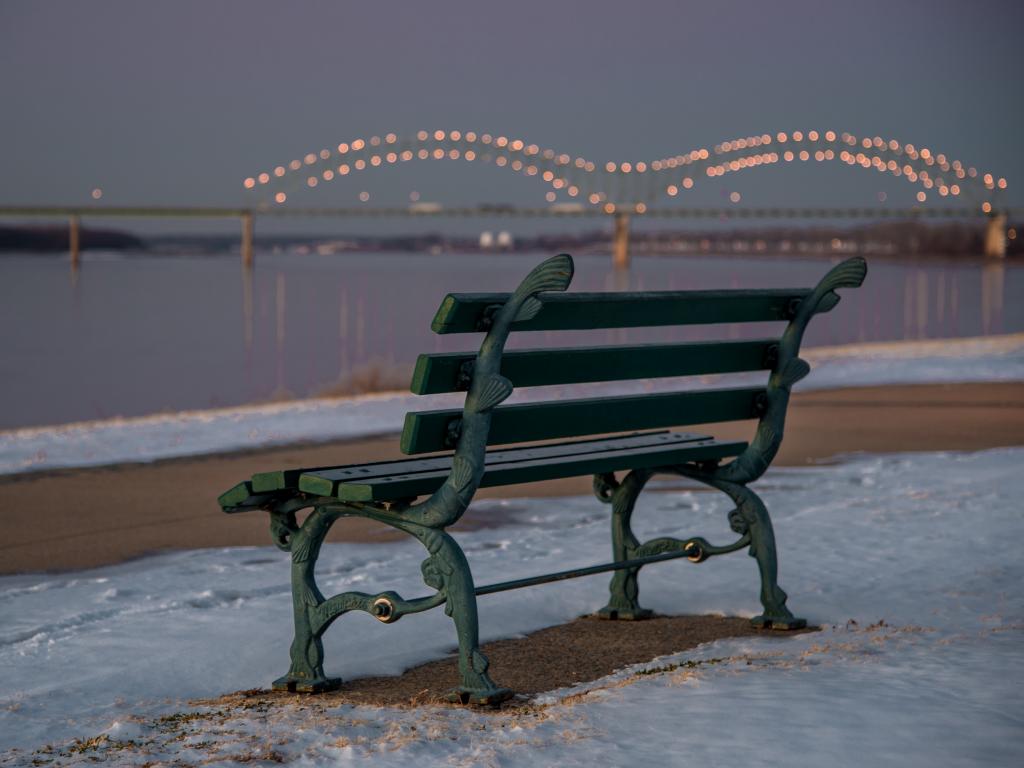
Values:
[(74, 519)]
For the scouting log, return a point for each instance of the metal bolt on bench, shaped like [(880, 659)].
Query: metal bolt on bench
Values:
[(387, 491)]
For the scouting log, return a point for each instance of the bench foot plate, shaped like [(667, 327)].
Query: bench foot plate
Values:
[(479, 698), (778, 622), (624, 614), (299, 685)]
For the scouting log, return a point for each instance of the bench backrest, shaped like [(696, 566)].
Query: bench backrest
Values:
[(436, 430)]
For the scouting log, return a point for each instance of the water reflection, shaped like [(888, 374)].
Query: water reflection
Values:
[(138, 335), (993, 276)]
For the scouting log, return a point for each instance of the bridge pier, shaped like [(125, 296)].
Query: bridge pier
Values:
[(247, 227), (620, 242), (995, 235)]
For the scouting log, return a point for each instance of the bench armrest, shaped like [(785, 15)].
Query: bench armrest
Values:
[(487, 389), (788, 370)]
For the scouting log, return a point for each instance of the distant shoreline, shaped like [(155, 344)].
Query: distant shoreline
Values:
[(893, 239)]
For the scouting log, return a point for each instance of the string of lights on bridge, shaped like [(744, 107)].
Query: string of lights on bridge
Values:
[(632, 186)]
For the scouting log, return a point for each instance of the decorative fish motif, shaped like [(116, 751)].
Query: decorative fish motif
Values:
[(795, 370), (555, 274), (828, 302), (849, 274), (462, 473), (531, 307), (495, 389)]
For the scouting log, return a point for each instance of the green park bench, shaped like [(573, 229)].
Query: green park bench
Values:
[(445, 484)]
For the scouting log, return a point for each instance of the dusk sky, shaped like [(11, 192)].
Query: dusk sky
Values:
[(176, 103)]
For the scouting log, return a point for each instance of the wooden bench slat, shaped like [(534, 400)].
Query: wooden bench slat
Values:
[(427, 431), (462, 312), (444, 372), (236, 495), (266, 482), (674, 448), (242, 498)]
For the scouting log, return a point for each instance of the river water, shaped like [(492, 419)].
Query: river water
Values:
[(134, 334)]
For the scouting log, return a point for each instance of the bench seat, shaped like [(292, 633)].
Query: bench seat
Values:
[(408, 478)]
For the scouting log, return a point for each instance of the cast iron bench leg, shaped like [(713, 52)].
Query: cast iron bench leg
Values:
[(751, 516), (306, 673), (750, 519), (447, 571), (622, 603)]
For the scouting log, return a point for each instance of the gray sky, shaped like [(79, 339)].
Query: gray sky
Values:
[(177, 102)]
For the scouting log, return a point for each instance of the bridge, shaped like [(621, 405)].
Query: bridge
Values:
[(580, 187), (631, 187)]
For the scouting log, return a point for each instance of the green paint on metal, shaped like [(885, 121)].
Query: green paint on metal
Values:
[(363, 472), (427, 431), (446, 372), (383, 491), (236, 495), (466, 312), (412, 484)]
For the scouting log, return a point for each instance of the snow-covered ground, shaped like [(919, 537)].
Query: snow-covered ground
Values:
[(910, 562), (989, 358)]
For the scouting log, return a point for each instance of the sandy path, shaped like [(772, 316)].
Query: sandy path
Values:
[(73, 519)]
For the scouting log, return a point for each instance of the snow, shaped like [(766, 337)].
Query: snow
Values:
[(910, 562), (191, 433)]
